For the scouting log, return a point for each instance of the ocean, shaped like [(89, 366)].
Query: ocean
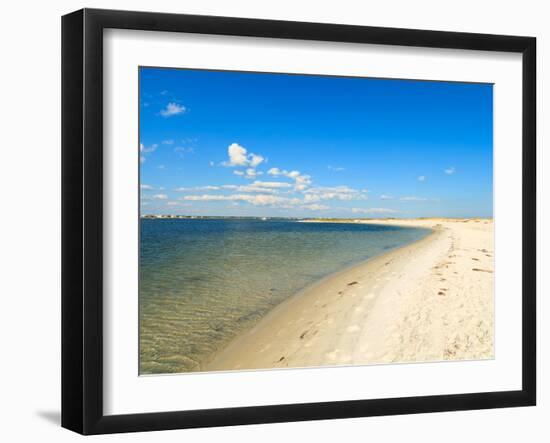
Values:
[(204, 281)]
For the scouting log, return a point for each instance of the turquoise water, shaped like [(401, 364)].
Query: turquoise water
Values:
[(202, 282)]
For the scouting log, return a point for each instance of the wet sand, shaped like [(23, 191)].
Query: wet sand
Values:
[(428, 301)]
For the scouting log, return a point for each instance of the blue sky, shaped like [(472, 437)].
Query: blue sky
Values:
[(233, 143)]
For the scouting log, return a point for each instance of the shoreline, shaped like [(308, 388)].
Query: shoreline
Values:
[(378, 311)]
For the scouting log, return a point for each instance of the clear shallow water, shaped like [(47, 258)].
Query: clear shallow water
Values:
[(202, 282)]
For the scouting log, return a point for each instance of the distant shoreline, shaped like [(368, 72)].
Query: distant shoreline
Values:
[(427, 301), (306, 219)]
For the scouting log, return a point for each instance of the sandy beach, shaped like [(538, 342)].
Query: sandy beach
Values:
[(429, 301)]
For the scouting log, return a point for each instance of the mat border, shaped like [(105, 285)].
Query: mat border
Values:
[(82, 220)]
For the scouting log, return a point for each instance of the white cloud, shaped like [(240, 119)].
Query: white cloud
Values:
[(160, 197), (198, 188), (275, 172), (249, 188), (333, 193), (335, 168), (168, 142), (271, 184), (148, 149), (172, 109), (450, 171), (172, 203), (421, 178), (251, 173), (316, 207), (255, 160), (386, 197), (257, 186), (292, 174), (146, 187), (239, 156), (413, 198), (257, 200), (241, 173), (373, 210), (301, 181)]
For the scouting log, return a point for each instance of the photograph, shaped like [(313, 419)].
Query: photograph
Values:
[(300, 221)]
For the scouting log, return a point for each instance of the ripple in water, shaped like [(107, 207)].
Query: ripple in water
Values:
[(202, 282)]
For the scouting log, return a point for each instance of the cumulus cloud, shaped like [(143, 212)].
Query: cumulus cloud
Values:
[(333, 193), (172, 109), (421, 178), (146, 187), (301, 181), (254, 199), (275, 172), (386, 197), (256, 186), (239, 156), (255, 160), (450, 171), (160, 197), (251, 173)]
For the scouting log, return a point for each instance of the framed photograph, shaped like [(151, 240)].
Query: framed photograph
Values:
[(269, 221)]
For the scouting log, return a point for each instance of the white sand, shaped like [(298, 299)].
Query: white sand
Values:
[(429, 301)]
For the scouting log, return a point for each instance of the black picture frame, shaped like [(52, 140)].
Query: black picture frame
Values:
[(82, 218)]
